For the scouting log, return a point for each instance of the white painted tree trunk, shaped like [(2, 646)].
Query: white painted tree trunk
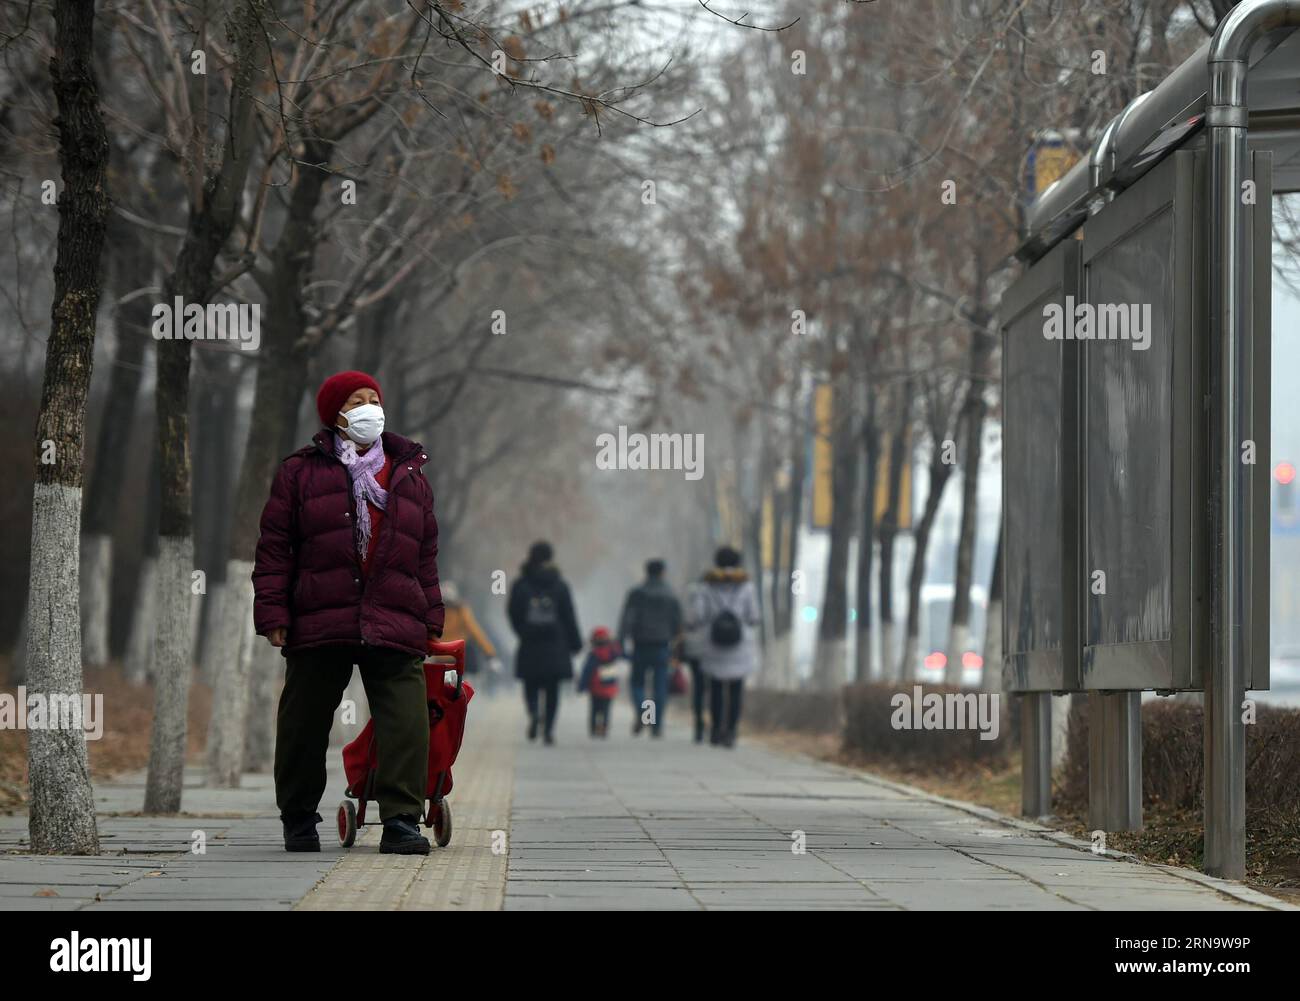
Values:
[(1060, 728), (263, 703), (831, 663), (96, 574), (958, 644), (781, 660), (887, 632), (172, 674), (139, 646), (992, 680), (210, 643), (62, 814), (230, 683)]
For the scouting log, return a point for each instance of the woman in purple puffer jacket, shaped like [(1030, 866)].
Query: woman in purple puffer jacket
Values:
[(346, 574)]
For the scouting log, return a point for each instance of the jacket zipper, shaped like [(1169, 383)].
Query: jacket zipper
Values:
[(352, 519)]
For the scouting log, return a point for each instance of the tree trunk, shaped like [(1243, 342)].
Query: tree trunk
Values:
[(214, 441), (230, 690), (889, 528), (210, 225), (144, 618), (62, 817), (830, 665), (972, 422), (131, 269), (940, 471), (264, 692), (785, 621), (867, 538), (281, 377), (18, 659), (991, 681)]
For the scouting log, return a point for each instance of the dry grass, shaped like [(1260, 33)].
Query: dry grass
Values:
[(128, 722)]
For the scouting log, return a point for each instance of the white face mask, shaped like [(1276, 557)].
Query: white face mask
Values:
[(365, 423)]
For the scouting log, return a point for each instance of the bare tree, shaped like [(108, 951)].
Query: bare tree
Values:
[(211, 221), (62, 817)]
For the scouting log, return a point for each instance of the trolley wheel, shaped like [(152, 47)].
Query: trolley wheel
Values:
[(442, 824), (347, 819)]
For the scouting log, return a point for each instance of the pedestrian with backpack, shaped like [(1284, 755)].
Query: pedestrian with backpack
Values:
[(722, 620), (542, 616), (651, 620), (599, 678)]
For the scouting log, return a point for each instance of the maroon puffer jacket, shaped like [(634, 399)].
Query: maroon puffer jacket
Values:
[(307, 574)]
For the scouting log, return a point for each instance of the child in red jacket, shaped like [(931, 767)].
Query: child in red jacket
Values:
[(599, 678)]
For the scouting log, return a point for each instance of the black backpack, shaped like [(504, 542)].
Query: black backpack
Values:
[(542, 615), (726, 630)]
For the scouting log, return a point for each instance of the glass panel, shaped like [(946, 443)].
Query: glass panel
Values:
[(1128, 422), (1032, 457), (1284, 541)]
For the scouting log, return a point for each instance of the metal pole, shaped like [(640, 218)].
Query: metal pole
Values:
[(1097, 762), (1124, 767), (1036, 754), (1115, 761), (1225, 736)]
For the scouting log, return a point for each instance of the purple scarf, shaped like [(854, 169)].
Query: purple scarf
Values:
[(362, 470)]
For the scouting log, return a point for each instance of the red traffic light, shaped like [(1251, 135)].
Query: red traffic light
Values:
[(1284, 473)]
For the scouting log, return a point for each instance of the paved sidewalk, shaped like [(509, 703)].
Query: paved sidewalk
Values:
[(626, 823), (148, 862), (632, 824), (470, 873)]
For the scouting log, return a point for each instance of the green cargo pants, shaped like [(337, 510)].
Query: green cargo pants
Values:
[(314, 682)]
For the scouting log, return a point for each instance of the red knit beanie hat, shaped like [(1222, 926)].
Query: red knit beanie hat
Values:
[(335, 390)]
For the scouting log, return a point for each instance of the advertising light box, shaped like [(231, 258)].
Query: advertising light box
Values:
[(1039, 481), (1110, 441)]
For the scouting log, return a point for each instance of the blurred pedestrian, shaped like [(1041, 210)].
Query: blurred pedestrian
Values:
[(599, 678), (542, 616), (346, 573), (723, 616), (461, 624), (689, 652), (651, 619)]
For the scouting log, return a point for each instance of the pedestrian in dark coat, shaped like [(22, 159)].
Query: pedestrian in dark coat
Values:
[(651, 620), (346, 574), (542, 616)]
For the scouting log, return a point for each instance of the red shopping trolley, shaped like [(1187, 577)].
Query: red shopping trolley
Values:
[(447, 708)]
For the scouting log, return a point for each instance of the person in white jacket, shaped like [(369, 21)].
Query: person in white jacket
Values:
[(722, 624)]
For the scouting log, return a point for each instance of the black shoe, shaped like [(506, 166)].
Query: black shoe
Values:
[(402, 837), (532, 729), (715, 738), (636, 726), (300, 832), (548, 738), (655, 731), (729, 739), (699, 733)]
